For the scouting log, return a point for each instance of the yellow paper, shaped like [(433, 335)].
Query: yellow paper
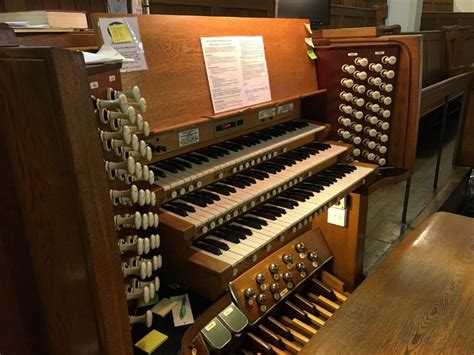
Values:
[(120, 33), (311, 54), (151, 341)]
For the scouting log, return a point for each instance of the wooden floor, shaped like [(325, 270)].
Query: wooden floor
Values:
[(384, 229)]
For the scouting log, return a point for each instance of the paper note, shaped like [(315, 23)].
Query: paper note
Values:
[(182, 312), (123, 35), (309, 42), (237, 71), (120, 33), (151, 341), (311, 54), (308, 28)]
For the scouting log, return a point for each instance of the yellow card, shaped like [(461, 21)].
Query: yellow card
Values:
[(120, 33), (151, 341), (311, 54)]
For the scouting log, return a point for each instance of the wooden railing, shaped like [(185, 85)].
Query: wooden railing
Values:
[(435, 20)]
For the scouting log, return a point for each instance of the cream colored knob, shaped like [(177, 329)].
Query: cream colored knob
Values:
[(154, 241), (115, 169), (346, 96), (133, 93), (357, 127), (132, 193), (359, 88), (384, 138), (356, 152), (375, 81), (388, 87), (371, 144), (389, 60), (382, 161), (133, 221), (146, 319), (347, 82), (373, 94), (356, 140), (344, 121), (375, 67), (138, 268), (358, 101), (375, 108), (386, 113), (363, 62), (386, 100), (155, 283), (361, 75), (121, 103), (133, 243), (385, 126), (371, 156), (348, 68), (389, 74), (137, 293), (140, 104), (382, 149), (358, 114), (345, 108), (115, 143)]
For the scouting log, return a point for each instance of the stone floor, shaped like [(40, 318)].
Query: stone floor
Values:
[(384, 228)]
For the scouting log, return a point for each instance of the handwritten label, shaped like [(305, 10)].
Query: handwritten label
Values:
[(380, 53), (352, 54), (120, 33), (188, 137)]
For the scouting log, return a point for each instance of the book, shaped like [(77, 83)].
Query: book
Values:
[(46, 19)]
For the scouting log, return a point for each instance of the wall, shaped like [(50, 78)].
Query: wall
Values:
[(463, 6), (406, 13), (79, 5)]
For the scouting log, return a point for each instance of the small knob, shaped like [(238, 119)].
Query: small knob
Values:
[(274, 268), (313, 256), (300, 267), (261, 298), (260, 278), (288, 276), (348, 68), (389, 60), (375, 67), (348, 83), (356, 152), (363, 62), (249, 293), (299, 247), (274, 287), (287, 258)]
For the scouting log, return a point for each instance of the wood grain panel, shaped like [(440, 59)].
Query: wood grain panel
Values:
[(176, 85), (50, 4), (67, 4), (79, 5), (434, 20), (61, 242), (423, 290)]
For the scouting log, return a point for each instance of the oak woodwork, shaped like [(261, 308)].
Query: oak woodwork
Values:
[(423, 290), (435, 20), (464, 149), (438, 5), (347, 243), (175, 62), (71, 5), (59, 236)]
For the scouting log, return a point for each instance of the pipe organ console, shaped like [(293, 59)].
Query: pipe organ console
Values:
[(226, 204)]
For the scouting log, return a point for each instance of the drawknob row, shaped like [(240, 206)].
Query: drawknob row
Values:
[(141, 267), (138, 245), (133, 196), (137, 221)]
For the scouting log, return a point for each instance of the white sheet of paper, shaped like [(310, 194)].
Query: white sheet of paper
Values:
[(106, 54), (237, 71), (131, 50), (188, 318)]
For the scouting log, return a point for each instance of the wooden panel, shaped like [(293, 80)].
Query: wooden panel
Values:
[(464, 150), (436, 20), (80, 5), (59, 225), (347, 16), (237, 8), (72, 40), (438, 5), (176, 85), (424, 290)]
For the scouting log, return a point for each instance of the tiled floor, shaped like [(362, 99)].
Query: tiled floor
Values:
[(384, 229)]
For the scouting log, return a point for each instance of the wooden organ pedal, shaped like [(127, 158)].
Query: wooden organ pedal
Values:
[(232, 205)]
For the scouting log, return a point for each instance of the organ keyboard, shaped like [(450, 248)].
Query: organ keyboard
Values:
[(163, 190)]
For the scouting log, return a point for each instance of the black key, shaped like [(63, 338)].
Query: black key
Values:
[(203, 197), (209, 194), (230, 146), (309, 193), (267, 169), (287, 202), (253, 174), (167, 167), (251, 139), (244, 230), (174, 209), (183, 206), (264, 214), (276, 210), (248, 179), (294, 196), (208, 153), (233, 233), (201, 157), (230, 238), (194, 201), (157, 172), (176, 165), (280, 167), (219, 151), (241, 141), (207, 247), (216, 243), (227, 188), (191, 159), (256, 220), (183, 162), (221, 191), (284, 160), (248, 223), (310, 187), (234, 183)]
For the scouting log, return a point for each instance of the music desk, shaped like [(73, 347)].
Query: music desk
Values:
[(421, 299)]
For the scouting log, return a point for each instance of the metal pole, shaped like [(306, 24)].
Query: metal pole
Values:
[(441, 139), (405, 201)]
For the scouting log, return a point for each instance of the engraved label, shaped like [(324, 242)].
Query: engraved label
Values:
[(188, 137)]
